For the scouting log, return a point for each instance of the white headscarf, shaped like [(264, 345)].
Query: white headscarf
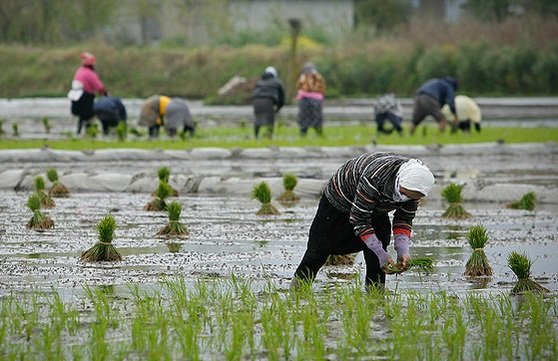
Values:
[(271, 70), (414, 176)]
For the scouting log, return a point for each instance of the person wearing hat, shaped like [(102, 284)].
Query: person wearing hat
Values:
[(85, 85), (311, 87), (267, 100), (352, 215), (429, 100)]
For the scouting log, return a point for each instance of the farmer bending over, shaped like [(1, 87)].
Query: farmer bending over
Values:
[(353, 214)]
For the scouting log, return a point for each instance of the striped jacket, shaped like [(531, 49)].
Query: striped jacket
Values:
[(363, 187)]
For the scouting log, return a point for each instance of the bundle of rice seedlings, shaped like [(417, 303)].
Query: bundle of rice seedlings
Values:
[(452, 194), (157, 203), (121, 131), (520, 264), (15, 129), (527, 202), (103, 250), (477, 265), (341, 259), (2, 131), (262, 192), (288, 197), (174, 227), (58, 189), (46, 200), (92, 130), (47, 125), (39, 221), (164, 175), (420, 264)]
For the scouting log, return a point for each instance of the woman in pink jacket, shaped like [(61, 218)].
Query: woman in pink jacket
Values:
[(85, 85)]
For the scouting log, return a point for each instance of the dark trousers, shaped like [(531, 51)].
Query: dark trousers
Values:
[(392, 118), (332, 233)]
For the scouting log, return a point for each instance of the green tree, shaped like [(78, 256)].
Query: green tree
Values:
[(382, 14)]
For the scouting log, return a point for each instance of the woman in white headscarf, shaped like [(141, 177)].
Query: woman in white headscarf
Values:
[(267, 100), (353, 214)]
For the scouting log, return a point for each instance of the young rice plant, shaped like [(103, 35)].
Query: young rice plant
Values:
[(289, 197), (58, 189), (262, 193), (477, 265), (39, 221), (420, 264), (103, 250), (46, 200), (527, 202), (157, 203), (452, 194), (174, 227), (520, 264)]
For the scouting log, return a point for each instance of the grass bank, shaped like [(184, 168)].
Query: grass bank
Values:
[(286, 136)]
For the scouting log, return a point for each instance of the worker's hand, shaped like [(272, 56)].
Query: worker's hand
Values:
[(374, 244), (404, 262), (389, 262)]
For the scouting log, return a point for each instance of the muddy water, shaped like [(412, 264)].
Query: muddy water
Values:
[(227, 237)]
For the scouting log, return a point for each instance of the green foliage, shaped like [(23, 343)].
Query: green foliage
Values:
[(39, 183), (477, 265), (164, 174), (383, 15), (520, 264), (527, 202), (106, 228), (500, 10), (46, 124), (163, 191), (52, 175), (289, 181), (262, 192), (34, 202), (174, 209), (2, 131), (121, 131), (452, 192), (92, 130), (15, 129), (477, 236)]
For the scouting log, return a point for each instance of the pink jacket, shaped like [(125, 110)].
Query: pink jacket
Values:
[(90, 80)]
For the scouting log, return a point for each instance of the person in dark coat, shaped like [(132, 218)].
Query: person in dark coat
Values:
[(429, 100), (110, 111), (85, 85), (353, 214), (267, 100)]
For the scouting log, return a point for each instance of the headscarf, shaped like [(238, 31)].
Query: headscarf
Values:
[(414, 176), (271, 70), (87, 59), (308, 67)]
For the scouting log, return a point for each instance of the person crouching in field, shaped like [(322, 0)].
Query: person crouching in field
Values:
[(85, 85), (386, 107), (310, 95), (172, 113), (468, 112), (110, 111), (352, 215), (268, 98), (429, 100)]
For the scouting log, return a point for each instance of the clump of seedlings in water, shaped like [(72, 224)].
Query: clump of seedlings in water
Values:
[(262, 193), (420, 264), (174, 228), (103, 250), (39, 221), (527, 202), (58, 189), (477, 265), (520, 264), (121, 131), (47, 125), (15, 129), (164, 175), (341, 259), (2, 131), (157, 203), (288, 197), (452, 194), (46, 199)]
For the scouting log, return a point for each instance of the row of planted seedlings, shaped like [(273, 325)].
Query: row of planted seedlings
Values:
[(234, 320)]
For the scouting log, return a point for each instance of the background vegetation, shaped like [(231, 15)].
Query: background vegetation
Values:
[(494, 50)]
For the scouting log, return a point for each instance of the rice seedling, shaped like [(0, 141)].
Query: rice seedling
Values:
[(174, 228), (47, 125), (92, 131), (420, 264), (103, 250), (452, 194), (262, 193), (164, 175), (57, 189), (2, 131), (121, 131), (39, 221), (15, 129), (527, 202), (341, 259), (46, 199), (157, 203), (477, 265), (289, 197), (520, 265)]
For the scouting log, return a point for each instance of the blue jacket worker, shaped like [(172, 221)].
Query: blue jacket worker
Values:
[(110, 111), (388, 108), (429, 100)]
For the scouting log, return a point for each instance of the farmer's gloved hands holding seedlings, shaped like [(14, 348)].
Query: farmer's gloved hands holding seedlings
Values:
[(374, 244), (401, 245)]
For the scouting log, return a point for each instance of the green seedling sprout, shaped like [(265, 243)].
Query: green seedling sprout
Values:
[(92, 131), (174, 227), (46, 200), (164, 175), (15, 129), (2, 131), (157, 203), (103, 250), (420, 264), (477, 265), (39, 221), (452, 194), (520, 264), (262, 193), (58, 189), (121, 131), (527, 202), (288, 197), (341, 259), (47, 125)]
